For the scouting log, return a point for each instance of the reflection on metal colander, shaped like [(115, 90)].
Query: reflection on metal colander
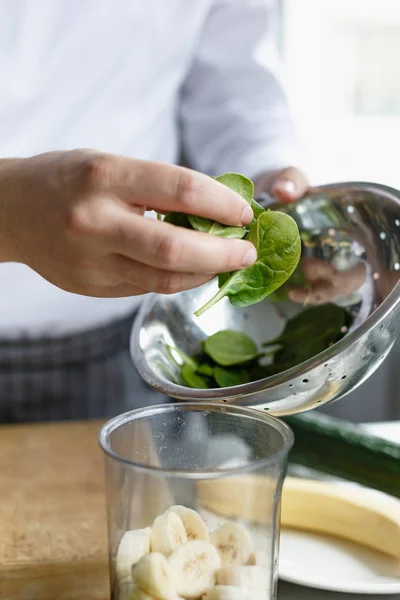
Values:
[(350, 230)]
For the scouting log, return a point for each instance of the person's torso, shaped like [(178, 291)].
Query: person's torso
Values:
[(101, 74)]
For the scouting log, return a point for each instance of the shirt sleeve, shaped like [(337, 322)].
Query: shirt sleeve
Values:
[(234, 111)]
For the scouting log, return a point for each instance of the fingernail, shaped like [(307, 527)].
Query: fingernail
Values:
[(250, 257), (247, 215), (285, 186)]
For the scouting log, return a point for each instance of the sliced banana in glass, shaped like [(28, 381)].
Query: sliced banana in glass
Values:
[(253, 578), (153, 574), (133, 545), (194, 525), (193, 566), (167, 533), (233, 543)]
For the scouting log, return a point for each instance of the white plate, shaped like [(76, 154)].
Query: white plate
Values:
[(325, 563)]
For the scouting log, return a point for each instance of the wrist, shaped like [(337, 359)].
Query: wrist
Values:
[(10, 194)]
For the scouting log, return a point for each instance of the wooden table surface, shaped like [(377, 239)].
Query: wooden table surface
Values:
[(52, 513), (53, 541)]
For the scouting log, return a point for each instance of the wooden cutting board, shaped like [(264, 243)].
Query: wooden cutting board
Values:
[(53, 541)]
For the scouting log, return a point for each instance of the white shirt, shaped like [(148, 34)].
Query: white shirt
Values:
[(140, 78)]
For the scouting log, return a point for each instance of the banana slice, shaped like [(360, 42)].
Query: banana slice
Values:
[(167, 533), (193, 567), (229, 592), (125, 590), (194, 525), (133, 545), (254, 578), (360, 515), (233, 543), (138, 594), (261, 559), (225, 592), (153, 575)]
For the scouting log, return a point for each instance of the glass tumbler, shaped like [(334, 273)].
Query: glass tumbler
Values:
[(193, 502)]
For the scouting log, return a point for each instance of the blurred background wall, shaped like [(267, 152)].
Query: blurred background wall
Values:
[(342, 63)]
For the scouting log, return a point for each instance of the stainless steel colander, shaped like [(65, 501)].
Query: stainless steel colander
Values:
[(355, 227)]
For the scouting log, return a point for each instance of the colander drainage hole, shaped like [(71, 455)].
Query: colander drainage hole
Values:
[(344, 376), (305, 380)]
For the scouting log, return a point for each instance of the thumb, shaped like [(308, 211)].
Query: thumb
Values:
[(291, 184)]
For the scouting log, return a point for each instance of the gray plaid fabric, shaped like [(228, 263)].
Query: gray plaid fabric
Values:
[(83, 376)]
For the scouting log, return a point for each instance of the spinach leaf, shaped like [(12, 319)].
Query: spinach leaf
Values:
[(223, 278), (169, 375), (242, 186), (306, 335), (205, 369), (182, 355), (316, 323), (178, 219), (289, 356), (230, 377), (263, 371), (229, 348), (239, 184), (192, 379), (297, 279), (214, 228), (257, 210), (276, 238)]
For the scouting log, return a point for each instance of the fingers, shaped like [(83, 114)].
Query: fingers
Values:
[(177, 249), (290, 185), (152, 279), (167, 187), (120, 290)]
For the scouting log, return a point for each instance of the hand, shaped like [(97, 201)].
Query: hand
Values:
[(77, 218), (285, 186)]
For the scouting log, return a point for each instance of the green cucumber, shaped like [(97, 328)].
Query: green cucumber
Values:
[(344, 450)]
